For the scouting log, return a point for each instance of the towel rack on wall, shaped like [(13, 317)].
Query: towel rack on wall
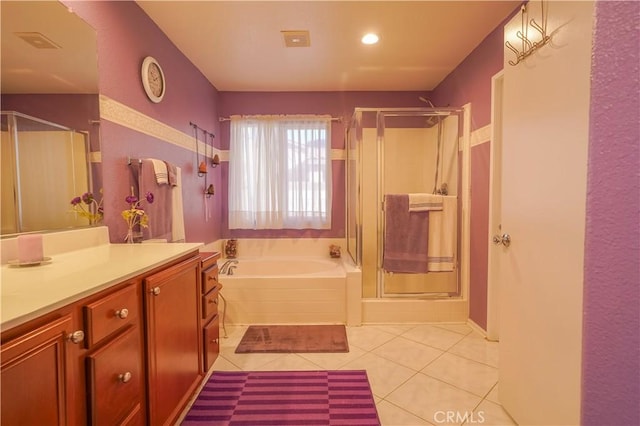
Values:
[(131, 161), (528, 46)]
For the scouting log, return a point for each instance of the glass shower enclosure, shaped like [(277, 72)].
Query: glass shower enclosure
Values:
[(402, 151), (44, 166)]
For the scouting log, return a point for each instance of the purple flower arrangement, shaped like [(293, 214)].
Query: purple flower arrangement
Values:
[(87, 206), (135, 214)]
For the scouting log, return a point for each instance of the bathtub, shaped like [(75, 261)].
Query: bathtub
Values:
[(285, 290)]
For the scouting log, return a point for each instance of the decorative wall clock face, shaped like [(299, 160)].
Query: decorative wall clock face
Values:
[(153, 79)]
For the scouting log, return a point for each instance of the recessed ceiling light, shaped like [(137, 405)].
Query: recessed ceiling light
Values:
[(370, 38)]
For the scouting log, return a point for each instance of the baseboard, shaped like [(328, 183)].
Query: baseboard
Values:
[(471, 323)]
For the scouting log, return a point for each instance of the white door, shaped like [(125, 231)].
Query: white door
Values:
[(495, 209), (544, 165)]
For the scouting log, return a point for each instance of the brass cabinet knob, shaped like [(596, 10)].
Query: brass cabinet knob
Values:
[(76, 337), (124, 377), (122, 313)]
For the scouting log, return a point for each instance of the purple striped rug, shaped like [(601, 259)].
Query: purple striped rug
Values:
[(282, 398)]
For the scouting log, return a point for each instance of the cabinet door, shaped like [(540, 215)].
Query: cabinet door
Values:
[(174, 341), (35, 375), (115, 380)]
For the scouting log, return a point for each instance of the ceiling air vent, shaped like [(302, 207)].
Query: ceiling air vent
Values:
[(296, 38), (37, 40)]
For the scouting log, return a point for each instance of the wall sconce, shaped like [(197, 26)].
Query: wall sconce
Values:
[(215, 161), (202, 169), (209, 191)]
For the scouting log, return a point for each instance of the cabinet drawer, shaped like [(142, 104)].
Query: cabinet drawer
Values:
[(115, 380), (210, 304), (111, 313), (209, 279), (211, 342)]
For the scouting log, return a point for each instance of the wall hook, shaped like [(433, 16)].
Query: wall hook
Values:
[(528, 46)]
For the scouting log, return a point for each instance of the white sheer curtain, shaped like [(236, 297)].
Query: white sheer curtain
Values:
[(280, 172)]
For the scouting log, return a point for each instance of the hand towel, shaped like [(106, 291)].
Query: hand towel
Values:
[(160, 171), (177, 230), (171, 174), (405, 236), (443, 237), (425, 202)]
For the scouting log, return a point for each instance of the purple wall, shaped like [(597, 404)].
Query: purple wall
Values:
[(125, 36), (337, 104), (611, 336), (470, 82)]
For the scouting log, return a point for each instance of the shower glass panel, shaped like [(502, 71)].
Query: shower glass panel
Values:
[(401, 151), (353, 177), (44, 166)]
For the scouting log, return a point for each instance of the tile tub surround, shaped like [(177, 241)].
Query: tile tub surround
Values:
[(83, 263)]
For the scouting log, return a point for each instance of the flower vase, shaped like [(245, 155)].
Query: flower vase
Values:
[(129, 238)]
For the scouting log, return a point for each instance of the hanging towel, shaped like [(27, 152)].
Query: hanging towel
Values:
[(424, 202), (160, 171), (405, 236), (177, 230), (443, 236), (171, 174), (160, 211)]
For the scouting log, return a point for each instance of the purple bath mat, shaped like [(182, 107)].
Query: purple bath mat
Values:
[(252, 398)]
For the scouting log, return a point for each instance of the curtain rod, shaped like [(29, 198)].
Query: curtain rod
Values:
[(229, 119)]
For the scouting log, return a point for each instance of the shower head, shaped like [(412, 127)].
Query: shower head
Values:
[(426, 101), (432, 120)]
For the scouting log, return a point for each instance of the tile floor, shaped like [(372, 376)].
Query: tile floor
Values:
[(420, 374)]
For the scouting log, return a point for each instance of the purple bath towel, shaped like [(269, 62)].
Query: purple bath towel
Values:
[(160, 211), (406, 237)]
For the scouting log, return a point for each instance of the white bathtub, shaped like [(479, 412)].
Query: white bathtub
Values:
[(285, 267), (285, 290)]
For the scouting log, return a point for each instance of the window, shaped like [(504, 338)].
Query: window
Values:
[(280, 172)]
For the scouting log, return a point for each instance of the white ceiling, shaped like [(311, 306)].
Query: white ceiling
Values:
[(238, 45), (72, 68)]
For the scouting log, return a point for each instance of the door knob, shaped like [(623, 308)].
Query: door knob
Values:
[(504, 239)]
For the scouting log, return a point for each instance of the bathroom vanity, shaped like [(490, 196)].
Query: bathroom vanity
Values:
[(109, 334)]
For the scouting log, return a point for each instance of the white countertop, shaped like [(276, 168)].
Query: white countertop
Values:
[(28, 292)]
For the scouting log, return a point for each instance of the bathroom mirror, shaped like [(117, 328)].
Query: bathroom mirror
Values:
[(49, 74)]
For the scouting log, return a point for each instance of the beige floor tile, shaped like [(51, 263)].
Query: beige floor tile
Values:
[(433, 336), (466, 374), (223, 364), (493, 395), (367, 337), (491, 414), (408, 353), (333, 361), (456, 328), (248, 362), (290, 362), (392, 415), (432, 399), (477, 348), (384, 375), (396, 329)]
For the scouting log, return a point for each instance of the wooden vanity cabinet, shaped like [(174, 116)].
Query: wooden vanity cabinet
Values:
[(128, 355), (37, 374), (210, 321), (174, 344)]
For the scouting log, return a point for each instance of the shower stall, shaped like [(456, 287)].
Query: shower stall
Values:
[(44, 166), (408, 152)]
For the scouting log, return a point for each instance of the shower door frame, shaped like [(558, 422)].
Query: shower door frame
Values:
[(462, 261)]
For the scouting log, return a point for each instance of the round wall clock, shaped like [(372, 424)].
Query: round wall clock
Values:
[(153, 79)]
